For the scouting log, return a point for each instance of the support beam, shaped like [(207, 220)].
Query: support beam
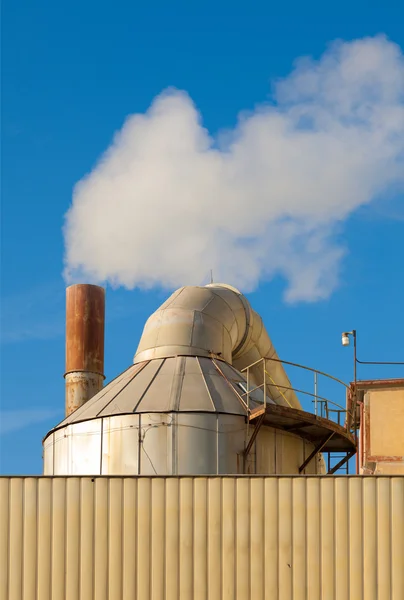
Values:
[(260, 421), (341, 462), (315, 452)]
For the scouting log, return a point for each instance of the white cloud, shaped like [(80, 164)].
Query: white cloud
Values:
[(167, 201)]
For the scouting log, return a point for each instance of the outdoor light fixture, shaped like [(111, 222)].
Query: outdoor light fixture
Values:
[(345, 342), (345, 338)]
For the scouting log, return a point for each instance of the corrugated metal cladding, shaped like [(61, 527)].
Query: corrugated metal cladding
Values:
[(202, 538)]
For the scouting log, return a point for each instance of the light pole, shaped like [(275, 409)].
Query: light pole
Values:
[(345, 342)]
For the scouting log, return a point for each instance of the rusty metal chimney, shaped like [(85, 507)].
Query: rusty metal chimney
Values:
[(85, 318)]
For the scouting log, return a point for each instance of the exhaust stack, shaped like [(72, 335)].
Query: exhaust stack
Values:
[(85, 322)]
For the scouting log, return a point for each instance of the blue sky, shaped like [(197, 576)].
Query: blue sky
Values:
[(71, 74)]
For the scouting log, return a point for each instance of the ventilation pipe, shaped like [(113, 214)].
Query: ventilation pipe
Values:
[(85, 317), (216, 321)]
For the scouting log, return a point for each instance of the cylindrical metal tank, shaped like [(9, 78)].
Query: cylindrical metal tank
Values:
[(173, 444), (85, 317), (180, 415), (183, 407)]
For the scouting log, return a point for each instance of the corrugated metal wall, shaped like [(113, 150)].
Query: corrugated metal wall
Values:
[(311, 538)]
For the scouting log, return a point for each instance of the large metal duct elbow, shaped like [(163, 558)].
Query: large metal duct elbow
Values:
[(216, 321)]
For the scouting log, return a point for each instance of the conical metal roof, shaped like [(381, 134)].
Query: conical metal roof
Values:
[(175, 384)]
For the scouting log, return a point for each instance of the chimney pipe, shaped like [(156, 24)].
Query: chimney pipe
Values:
[(85, 320)]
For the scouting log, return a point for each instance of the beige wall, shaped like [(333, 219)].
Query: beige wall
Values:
[(383, 430), (280, 452), (215, 538)]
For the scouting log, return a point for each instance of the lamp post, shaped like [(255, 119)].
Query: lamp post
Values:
[(345, 342), (345, 339)]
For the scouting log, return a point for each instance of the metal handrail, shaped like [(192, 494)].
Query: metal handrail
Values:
[(307, 369), (321, 399), (284, 387)]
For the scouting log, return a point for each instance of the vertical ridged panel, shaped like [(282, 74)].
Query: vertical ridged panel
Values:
[(292, 538), (172, 542), (256, 554), (200, 525), (142, 560), (271, 536), (313, 548), (30, 527), (129, 538), (5, 547), (115, 557), (356, 540), (298, 563), (369, 539), (327, 545), (46, 486), (397, 537), (16, 539), (101, 539), (285, 542), (73, 546), (242, 527), (214, 539), (383, 536), (341, 520), (229, 539), (158, 550), (186, 538), (87, 533), (61, 527)]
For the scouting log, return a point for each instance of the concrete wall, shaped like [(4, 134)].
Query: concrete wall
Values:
[(202, 538)]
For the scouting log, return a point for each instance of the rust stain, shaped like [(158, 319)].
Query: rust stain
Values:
[(361, 434), (365, 384), (366, 448), (80, 387), (85, 310), (85, 323), (385, 458)]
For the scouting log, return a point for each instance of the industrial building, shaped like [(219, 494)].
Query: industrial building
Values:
[(196, 473)]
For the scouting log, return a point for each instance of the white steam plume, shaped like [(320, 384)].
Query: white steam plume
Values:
[(167, 202)]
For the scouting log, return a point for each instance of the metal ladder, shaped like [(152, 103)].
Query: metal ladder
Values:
[(344, 468)]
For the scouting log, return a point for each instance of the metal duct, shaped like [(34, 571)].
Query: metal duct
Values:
[(216, 320), (85, 317)]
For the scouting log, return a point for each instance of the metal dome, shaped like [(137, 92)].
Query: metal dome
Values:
[(176, 384)]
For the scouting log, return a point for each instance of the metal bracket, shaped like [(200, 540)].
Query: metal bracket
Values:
[(341, 462), (260, 421), (316, 450), (256, 412)]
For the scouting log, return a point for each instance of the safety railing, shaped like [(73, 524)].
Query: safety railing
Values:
[(323, 407)]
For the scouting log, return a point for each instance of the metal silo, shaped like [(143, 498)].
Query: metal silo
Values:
[(184, 407)]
